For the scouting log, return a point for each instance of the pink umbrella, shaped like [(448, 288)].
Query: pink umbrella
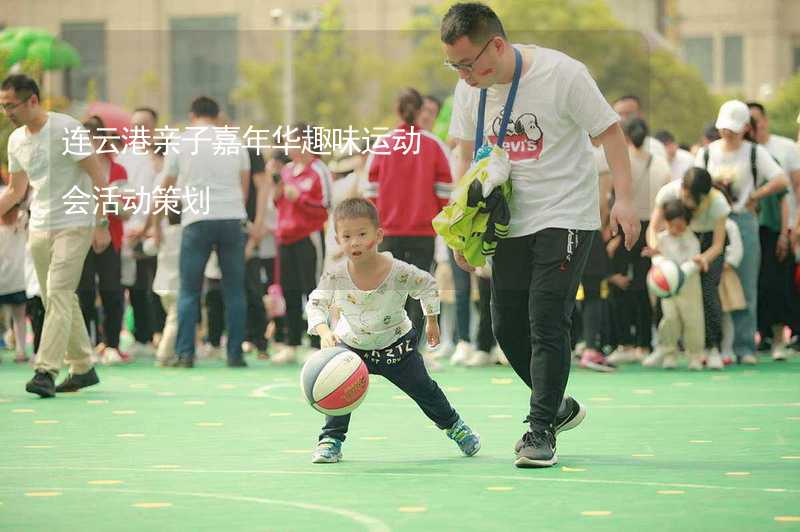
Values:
[(112, 115)]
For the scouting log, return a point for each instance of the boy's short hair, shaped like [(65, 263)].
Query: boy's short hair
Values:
[(356, 208), (674, 209)]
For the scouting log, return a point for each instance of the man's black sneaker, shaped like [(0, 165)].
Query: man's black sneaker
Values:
[(181, 362), (567, 418), (42, 385), (538, 449), (73, 382), (237, 363)]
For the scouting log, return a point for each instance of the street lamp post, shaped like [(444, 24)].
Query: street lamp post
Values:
[(280, 18)]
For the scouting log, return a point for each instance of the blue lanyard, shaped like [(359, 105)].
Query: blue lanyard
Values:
[(512, 93)]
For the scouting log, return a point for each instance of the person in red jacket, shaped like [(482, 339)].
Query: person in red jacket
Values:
[(302, 198), (409, 189), (105, 263)]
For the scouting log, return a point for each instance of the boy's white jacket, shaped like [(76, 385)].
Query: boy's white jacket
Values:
[(371, 319)]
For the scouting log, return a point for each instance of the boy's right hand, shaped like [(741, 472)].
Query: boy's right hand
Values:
[(328, 339)]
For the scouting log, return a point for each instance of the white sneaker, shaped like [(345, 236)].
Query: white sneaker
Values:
[(622, 356), (208, 351), (779, 354), (714, 361), (479, 359), (443, 351), (138, 350), (248, 347), (287, 355), (670, 362), (431, 364), (696, 362), (461, 354), (654, 359), (500, 356), (749, 360)]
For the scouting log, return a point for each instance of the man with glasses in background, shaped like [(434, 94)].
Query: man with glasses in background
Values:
[(60, 230), (556, 116)]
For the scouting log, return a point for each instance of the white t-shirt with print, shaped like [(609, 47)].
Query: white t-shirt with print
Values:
[(142, 180), (734, 167), (681, 163), (553, 172), (787, 153), (216, 176), (372, 319), (705, 217), (50, 159)]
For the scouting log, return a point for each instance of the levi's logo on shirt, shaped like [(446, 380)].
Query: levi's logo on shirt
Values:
[(524, 138)]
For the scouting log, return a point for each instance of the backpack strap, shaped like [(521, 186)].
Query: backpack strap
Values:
[(753, 165), (705, 157)]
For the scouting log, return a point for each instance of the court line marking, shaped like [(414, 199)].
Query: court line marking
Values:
[(370, 523), (263, 391), (400, 475)]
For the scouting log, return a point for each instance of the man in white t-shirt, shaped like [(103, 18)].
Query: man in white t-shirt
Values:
[(142, 165), (211, 174), (779, 303), (52, 153), (679, 159), (557, 113)]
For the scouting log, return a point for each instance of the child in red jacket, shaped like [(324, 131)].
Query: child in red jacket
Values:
[(302, 198)]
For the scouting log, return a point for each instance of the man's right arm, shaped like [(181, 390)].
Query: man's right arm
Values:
[(463, 153), (14, 193)]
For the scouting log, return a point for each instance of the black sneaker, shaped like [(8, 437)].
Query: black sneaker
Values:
[(567, 418), (181, 362), (73, 382), (538, 449), (42, 385), (237, 363)]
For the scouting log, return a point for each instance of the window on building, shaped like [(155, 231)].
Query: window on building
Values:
[(204, 61), (699, 52), (89, 39), (733, 60)]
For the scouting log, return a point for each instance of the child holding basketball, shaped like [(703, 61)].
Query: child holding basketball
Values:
[(369, 292), (683, 312)]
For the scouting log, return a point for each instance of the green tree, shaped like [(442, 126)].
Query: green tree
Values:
[(329, 73), (783, 108), (673, 94)]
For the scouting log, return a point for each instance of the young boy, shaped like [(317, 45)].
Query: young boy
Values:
[(369, 292), (683, 312)]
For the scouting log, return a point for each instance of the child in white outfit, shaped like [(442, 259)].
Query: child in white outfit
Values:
[(683, 312)]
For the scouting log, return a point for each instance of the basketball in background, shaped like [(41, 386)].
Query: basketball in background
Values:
[(665, 278)]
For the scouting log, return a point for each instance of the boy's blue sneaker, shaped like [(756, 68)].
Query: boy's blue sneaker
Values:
[(469, 442), (329, 451)]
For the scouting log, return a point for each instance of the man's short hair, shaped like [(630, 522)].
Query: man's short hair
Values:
[(629, 97), (664, 136), (356, 208), (474, 20), (205, 107), (150, 110), (757, 105), (23, 86)]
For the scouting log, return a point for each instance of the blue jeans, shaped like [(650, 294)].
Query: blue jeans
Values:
[(744, 321), (199, 238)]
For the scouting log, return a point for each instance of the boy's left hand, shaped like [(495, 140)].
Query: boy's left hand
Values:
[(432, 331)]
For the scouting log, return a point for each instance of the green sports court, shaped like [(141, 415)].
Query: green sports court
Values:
[(219, 449)]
